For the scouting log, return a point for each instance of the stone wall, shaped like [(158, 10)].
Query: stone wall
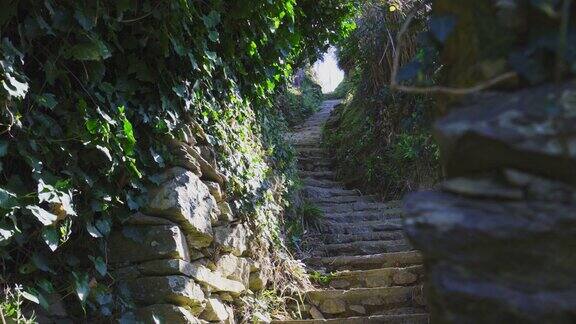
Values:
[(184, 258), (499, 235)]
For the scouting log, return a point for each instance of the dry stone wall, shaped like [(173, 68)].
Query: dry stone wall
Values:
[(499, 235), (184, 258)]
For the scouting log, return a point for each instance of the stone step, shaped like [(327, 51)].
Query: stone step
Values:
[(369, 301), (366, 262), (321, 183), (364, 216), (320, 160), (311, 151), (358, 206), (376, 319), (363, 248), (343, 199), (373, 236), (324, 175), (383, 277), (304, 144), (329, 227), (313, 168), (320, 192)]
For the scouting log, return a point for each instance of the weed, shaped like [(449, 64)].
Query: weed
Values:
[(11, 307), (321, 278)]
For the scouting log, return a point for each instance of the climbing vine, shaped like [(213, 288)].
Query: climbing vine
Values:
[(92, 90)]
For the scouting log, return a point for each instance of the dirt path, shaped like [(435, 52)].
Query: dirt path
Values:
[(378, 275)]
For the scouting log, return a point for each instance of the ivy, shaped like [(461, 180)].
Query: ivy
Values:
[(90, 93)]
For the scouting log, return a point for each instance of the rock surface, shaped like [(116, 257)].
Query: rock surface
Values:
[(176, 290), (165, 313), (498, 238), (186, 200), (169, 263), (144, 243)]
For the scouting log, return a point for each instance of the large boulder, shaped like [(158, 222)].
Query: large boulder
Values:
[(499, 235), (530, 130), (132, 244), (186, 200), (493, 261)]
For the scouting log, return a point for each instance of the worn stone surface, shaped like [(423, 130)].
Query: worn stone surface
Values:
[(215, 190), (257, 281), (491, 260), (226, 214), (176, 290), (530, 130), (199, 272), (499, 245), (359, 233), (332, 306), (208, 168), (215, 310), (227, 264), (142, 219), (315, 313), (231, 238), (165, 313), (185, 200), (143, 243)]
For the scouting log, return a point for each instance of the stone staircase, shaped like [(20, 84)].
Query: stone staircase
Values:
[(376, 274)]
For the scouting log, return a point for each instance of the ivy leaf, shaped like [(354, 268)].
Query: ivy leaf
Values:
[(31, 297), (43, 216), (212, 19), (3, 148), (40, 261), (13, 86), (51, 237), (99, 264), (94, 50), (84, 21), (103, 226), (7, 199), (214, 36), (47, 100), (81, 285), (442, 26), (5, 235), (93, 231)]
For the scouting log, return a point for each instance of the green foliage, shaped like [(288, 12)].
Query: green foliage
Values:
[(11, 306), (321, 278), (91, 91), (381, 140), (303, 216), (310, 213), (480, 40), (299, 102)]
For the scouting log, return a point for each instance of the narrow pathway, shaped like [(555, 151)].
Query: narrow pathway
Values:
[(377, 274)]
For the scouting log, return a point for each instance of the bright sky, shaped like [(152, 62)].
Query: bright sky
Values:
[(327, 71)]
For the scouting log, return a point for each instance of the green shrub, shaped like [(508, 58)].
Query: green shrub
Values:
[(381, 139), (297, 103), (93, 91)]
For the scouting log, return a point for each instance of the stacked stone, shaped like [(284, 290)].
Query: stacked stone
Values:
[(499, 236), (183, 259)]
